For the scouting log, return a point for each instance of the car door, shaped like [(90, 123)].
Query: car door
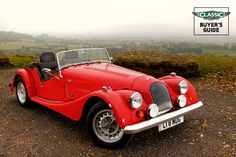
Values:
[(52, 88)]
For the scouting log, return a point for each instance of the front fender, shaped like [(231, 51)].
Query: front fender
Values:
[(172, 83), (119, 103)]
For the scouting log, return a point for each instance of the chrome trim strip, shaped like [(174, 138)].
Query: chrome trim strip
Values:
[(135, 128)]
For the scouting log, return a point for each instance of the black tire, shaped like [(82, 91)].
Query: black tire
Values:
[(26, 103), (89, 124)]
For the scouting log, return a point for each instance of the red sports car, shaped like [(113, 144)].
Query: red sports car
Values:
[(115, 102)]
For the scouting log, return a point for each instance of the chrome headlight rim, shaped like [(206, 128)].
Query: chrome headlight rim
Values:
[(134, 102), (183, 87)]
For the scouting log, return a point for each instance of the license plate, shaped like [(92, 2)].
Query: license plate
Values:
[(170, 123)]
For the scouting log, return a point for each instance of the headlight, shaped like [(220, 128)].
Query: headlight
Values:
[(182, 101), (136, 100), (183, 86)]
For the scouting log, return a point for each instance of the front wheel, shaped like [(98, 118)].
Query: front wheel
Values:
[(103, 128)]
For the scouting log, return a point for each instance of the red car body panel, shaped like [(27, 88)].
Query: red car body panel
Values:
[(26, 74), (68, 95)]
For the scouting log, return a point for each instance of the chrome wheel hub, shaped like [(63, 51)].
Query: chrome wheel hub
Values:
[(21, 92), (105, 126)]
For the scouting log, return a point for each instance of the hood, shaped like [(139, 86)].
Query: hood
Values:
[(102, 74)]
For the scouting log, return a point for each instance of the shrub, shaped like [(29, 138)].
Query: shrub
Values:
[(5, 62), (158, 64)]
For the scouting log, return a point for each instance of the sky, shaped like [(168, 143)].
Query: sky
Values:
[(105, 16)]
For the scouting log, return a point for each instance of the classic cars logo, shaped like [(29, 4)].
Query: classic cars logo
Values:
[(211, 21), (211, 15)]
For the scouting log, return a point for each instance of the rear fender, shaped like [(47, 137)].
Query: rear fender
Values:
[(28, 80)]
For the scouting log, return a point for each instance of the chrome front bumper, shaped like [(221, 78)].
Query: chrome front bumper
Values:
[(135, 128)]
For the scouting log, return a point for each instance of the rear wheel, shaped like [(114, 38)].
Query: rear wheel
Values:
[(21, 93), (103, 128)]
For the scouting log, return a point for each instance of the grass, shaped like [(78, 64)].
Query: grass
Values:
[(219, 52), (18, 44), (222, 67), (32, 45), (19, 60)]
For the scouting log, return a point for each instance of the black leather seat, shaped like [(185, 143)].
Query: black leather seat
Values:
[(48, 60)]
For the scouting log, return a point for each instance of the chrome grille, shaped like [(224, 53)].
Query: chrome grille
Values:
[(161, 96)]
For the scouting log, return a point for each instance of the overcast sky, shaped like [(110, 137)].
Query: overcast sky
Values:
[(105, 16)]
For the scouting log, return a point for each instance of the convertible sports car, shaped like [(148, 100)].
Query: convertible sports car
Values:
[(114, 102)]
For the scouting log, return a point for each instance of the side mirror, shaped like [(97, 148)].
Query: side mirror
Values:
[(111, 59)]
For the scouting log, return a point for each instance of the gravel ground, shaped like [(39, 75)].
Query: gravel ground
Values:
[(41, 132)]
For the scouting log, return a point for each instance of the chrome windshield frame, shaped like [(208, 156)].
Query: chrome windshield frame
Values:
[(83, 49)]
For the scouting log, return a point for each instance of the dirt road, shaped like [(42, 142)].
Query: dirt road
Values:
[(41, 132)]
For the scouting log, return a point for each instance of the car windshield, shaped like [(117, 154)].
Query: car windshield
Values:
[(82, 56)]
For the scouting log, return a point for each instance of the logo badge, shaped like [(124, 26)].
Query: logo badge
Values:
[(211, 15), (211, 20)]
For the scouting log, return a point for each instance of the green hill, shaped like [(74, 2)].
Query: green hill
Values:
[(13, 36)]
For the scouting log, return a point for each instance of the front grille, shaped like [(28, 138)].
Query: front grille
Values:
[(161, 97)]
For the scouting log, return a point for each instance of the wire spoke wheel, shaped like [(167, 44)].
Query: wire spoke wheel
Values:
[(105, 126)]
